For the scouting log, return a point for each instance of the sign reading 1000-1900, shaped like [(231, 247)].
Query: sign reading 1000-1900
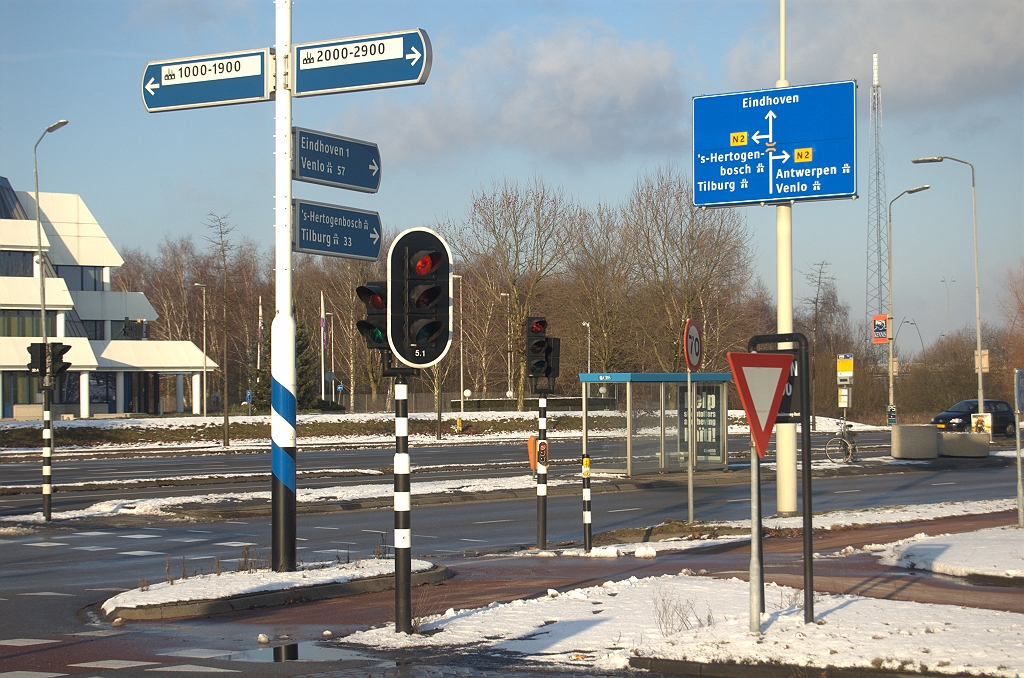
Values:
[(775, 146)]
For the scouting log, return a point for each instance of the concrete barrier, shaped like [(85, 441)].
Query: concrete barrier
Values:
[(963, 444), (915, 441)]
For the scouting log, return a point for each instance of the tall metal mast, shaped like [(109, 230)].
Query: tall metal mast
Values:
[(878, 248)]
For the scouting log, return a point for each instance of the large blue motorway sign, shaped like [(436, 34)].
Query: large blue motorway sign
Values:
[(336, 231), (331, 160), (364, 62), (209, 80), (775, 146)]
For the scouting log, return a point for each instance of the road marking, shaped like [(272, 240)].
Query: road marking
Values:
[(235, 522), (161, 529), (623, 510), (352, 543), (317, 527), (187, 540), (91, 534), (488, 522), (480, 541), (301, 539), (732, 501), (193, 668), (235, 544), (24, 642), (845, 491), (119, 590), (113, 664), (374, 531), (195, 653), (46, 543), (92, 548), (30, 674), (424, 536), (138, 553), (943, 483), (139, 536), (47, 593), (200, 531)]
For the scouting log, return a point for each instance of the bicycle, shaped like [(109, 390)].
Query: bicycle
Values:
[(842, 448)]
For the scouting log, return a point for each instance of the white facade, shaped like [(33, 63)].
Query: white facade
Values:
[(116, 374)]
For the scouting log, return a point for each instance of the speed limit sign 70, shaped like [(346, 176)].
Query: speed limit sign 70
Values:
[(694, 345)]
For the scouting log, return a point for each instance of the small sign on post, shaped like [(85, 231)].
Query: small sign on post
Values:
[(879, 329)]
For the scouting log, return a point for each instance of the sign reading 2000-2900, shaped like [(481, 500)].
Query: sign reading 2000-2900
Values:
[(360, 63), (778, 145)]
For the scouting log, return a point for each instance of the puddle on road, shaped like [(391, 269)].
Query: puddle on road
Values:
[(307, 651)]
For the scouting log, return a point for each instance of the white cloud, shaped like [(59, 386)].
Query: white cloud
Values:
[(944, 54), (574, 94)]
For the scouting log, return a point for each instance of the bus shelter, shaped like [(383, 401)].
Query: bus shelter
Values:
[(646, 432)]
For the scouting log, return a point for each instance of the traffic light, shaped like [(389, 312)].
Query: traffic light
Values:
[(37, 363), (57, 364), (420, 281), (374, 328), (536, 347), (554, 349)]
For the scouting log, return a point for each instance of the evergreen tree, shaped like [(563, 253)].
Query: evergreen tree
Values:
[(307, 369)]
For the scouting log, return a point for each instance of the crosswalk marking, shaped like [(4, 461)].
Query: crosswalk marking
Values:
[(25, 642)]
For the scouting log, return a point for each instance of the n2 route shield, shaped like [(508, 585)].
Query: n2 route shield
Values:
[(780, 145)]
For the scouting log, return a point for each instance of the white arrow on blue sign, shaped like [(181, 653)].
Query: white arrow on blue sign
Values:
[(775, 145), (331, 160), (361, 63), (332, 230), (208, 80)]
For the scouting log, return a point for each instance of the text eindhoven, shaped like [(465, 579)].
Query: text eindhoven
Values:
[(769, 100)]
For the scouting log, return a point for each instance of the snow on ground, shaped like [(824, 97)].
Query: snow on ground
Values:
[(706, 620), (227, 584), (995, 552), (155, 506)]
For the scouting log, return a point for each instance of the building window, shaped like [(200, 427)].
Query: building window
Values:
[(82, 278), (93, 329), (22, 323), (16, 264)]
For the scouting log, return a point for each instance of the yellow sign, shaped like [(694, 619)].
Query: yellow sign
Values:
[(844, 365), (803, 154), (738, 139), (586, 462)]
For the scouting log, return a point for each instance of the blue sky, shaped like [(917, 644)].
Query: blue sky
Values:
[(587, 95)]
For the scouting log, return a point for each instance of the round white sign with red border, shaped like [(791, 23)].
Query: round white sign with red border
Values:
[(694, 345)]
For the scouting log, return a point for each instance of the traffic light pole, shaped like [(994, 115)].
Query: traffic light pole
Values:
[(47, 447), (403, 504), (587, 540), (542, 473)]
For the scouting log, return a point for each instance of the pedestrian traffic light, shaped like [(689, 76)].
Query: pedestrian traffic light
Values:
[(419, 322), (374, 328), (57, 364), (37, 363)]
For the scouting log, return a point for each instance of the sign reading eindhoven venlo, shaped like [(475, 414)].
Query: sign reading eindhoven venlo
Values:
[(779, 145), (331, 160)]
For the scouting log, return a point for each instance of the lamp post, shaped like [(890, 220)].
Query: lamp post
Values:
[(891, 339), (201, 285), (914, 323), (948, 283), (977, 287), (333, 390), (462, 373), (587, 325), (508, 341), (46, 378)]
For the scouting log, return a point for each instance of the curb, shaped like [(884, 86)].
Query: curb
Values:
[(303, 594), (678, 667)]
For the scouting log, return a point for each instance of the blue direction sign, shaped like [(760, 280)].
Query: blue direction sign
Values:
[(209, 80), (364, 62), (778, 145), (335, 161), (335, 231)]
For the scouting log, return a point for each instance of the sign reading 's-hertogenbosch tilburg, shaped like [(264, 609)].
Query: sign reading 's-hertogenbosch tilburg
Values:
[(778, 145), (335, 231)]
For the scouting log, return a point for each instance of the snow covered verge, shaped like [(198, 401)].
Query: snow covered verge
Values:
[(230, 584), (993, 552), (702, 619)]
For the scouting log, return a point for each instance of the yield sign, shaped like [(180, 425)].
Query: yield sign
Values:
[(761, 379)]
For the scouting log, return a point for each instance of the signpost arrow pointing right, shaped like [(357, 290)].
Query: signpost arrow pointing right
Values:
[(373, 166), (414, 57)]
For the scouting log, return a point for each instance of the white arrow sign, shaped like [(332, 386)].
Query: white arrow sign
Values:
[(152, 85), (373, 166), (414, 57), (374, 236)]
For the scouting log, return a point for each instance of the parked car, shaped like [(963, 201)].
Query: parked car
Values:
[(958, 417)]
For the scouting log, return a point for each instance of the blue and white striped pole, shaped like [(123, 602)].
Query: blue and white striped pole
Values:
[(542, 473), (282, 330), (403, 505)]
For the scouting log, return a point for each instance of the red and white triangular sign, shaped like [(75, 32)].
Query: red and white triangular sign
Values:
[(761, 380)]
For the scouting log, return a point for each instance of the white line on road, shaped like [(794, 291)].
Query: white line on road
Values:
[(622, 510), (943, 483), (488, 522), (733, 501), (844, 491), (481, 541)]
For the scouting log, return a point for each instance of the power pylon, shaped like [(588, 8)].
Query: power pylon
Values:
[(878, 248)]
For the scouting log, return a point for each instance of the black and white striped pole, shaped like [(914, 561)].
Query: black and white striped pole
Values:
[(403, 534), (47, 451), (587, 541), (542, 473)]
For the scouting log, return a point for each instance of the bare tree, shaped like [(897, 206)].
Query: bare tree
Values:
[(222, 246)]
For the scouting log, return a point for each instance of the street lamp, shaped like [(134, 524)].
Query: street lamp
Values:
[(891, 414), (948, 283), (508, 341), (462, 373), (914, 323), (204, 345), (977, 288), (587, 325), (39, 237)]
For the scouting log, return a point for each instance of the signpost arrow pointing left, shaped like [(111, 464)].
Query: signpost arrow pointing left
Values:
[(152, 85)]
